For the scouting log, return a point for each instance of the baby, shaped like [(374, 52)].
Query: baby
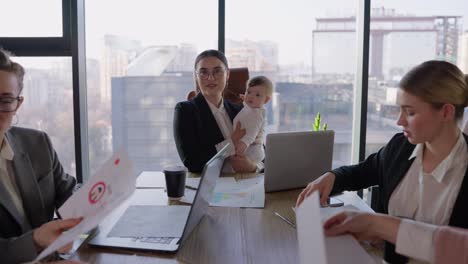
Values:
[(252, 118)]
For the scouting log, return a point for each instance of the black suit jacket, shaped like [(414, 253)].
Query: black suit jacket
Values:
[(196, 132), (387, 168)]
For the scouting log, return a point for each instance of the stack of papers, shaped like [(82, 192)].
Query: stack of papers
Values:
[(231, 193), (315, 246), (243, 193)]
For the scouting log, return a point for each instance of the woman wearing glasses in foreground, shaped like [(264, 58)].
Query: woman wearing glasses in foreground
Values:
[(422, 171), (203, 125), (32, 181)]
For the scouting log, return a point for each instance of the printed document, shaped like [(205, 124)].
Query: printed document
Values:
[(315, 247), (106, 190)]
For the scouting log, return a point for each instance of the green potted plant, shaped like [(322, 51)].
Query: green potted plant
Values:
[(317, 122)]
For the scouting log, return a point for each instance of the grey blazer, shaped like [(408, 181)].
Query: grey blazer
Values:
[(43, 187)]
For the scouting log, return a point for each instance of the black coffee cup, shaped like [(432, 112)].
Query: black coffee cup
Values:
[(175, 181)]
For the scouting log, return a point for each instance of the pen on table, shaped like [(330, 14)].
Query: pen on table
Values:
[(190, 187), (286, 220)]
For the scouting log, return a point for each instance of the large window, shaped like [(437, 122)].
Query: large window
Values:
[(48, 103), (309, 49), (31, 18), (402, 35), (140, 59), (48, 83), (139, 65)]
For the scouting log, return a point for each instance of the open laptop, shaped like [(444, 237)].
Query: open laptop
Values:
[(163, 228), (294, 159)]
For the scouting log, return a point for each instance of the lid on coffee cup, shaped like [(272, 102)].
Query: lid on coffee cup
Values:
[(173, 169)]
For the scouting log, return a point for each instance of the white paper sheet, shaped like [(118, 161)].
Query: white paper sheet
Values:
[(151, 180), (345, 249), (310, 231), (231, 193), (194, 182), (243, 193), (314, 247), (106, 190), (189, 196)]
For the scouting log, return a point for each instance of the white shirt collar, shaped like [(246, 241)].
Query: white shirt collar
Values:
[(417, 151), (441, 170), (214, 109), (6, 152)]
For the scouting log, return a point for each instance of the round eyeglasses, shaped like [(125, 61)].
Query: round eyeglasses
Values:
[(216, 73), (9, 103)]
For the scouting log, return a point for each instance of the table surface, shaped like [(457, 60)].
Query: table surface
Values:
[(225, 235)]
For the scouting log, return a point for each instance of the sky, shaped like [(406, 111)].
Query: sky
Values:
[(160, 22), (287, 22)]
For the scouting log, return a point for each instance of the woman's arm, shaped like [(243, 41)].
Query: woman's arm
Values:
[(363, 226), (412, 239), (370, 171), (191, 151), (450, 245), (26, 247), (18, 249), (240, 163)]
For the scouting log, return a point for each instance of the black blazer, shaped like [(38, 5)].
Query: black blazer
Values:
[(387, 168), (196, 132)]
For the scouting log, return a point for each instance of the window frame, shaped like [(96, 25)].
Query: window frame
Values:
[(72, 44)]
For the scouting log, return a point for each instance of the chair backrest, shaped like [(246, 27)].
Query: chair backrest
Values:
[(236, 85)]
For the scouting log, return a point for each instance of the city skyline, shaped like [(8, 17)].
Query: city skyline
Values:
[(133, 60), (291, 30)]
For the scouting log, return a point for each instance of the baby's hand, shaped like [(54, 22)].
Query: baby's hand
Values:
[(240, 148)]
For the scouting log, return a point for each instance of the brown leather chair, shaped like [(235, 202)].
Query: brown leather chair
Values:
[(236, 85)]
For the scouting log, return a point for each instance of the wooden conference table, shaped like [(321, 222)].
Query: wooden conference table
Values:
[(225, 235)]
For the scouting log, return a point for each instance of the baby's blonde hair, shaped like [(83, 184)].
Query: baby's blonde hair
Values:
[(263, 81)]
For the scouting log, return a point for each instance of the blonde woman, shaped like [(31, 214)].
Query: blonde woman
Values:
[(422, 171)]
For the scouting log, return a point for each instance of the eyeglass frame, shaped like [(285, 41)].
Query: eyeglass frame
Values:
[(18, 99), (217, 70)]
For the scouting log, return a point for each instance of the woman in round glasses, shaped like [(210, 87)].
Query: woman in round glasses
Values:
[(203, 125), (32, 181)]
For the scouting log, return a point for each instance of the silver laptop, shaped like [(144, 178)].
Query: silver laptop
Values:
[(294, 159), (163, 228)]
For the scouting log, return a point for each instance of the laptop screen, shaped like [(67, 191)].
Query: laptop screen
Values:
[(210, 174)]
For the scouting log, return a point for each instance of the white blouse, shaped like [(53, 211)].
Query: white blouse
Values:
[(427, 198)]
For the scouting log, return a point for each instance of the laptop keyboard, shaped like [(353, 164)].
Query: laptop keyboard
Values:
[(154, 240)]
